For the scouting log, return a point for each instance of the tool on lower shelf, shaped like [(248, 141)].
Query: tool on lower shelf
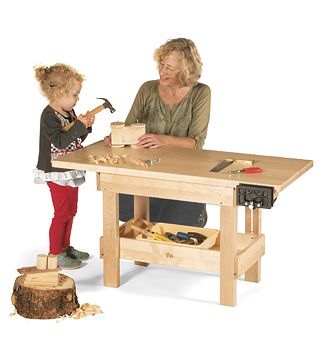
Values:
[(152, 234), (248, 170)]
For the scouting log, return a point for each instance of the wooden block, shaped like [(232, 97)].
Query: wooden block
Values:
[(42, 261), (33, 269), (126, 135), (42, 275), (42, 283), (42, 278)]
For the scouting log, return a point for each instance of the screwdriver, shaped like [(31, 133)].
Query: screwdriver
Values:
[(248, 170)]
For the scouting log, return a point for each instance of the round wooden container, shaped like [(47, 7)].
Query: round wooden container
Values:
[(117, 124)]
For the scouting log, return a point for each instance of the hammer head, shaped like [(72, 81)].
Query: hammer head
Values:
[(108, 105)]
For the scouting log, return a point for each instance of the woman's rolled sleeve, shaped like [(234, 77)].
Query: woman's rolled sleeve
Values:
[(200, 117)]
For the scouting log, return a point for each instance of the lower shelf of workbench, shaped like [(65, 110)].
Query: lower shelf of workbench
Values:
[(250, 248)]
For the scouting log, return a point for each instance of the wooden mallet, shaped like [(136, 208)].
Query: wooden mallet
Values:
[(105, 105)]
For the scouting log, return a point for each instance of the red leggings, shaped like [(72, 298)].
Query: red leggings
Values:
[(65, 202)]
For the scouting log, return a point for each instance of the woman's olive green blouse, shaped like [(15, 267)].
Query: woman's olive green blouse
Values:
[(190, 117)]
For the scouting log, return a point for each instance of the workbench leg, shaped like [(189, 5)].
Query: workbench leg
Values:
[(141, 207), (253, 226), (228, 229), (111, 239), (141, 211)]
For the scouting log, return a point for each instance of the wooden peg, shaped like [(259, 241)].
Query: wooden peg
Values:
[(42, 261), (52, 262)]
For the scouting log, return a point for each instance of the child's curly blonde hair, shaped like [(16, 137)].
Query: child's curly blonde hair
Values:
[(57, 80)]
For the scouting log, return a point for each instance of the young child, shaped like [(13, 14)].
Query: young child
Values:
[(61, 84)]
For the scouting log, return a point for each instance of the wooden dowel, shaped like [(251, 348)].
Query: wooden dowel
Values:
[(52, 262), (42, 261)]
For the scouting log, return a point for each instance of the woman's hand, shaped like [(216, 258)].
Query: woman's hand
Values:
[(152, 141), (107, 140), (145, 141)]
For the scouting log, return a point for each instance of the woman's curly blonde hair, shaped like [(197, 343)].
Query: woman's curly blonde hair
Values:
[(190, 61), (57, 80)]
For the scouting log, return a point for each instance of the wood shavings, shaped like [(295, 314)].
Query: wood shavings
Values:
[(115, 159), (13, 313), (85, 310), (118, 159), (140, 163)]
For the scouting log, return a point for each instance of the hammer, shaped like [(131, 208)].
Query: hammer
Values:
[(105, 105)]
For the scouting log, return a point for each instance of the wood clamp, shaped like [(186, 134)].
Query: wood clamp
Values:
[(255, 196)]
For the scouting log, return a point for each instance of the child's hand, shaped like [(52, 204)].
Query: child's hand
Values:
[(86, 120), (90, 120)]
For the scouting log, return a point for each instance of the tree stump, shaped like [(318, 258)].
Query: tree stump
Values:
[(44, 302)]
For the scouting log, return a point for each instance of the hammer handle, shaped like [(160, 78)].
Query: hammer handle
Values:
[(90, 113), (95, 111)]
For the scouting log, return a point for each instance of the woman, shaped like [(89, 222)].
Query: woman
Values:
[(176, 111)]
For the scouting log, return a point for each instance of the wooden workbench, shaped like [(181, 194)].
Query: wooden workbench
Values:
[(184, 174)]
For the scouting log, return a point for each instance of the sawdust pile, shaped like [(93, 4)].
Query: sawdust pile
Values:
[(85, 310)]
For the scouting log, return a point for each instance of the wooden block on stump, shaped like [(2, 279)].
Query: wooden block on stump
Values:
[(42, 261), (45, 302), (52, 262)]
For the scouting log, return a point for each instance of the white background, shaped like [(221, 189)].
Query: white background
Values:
[(261, 60)]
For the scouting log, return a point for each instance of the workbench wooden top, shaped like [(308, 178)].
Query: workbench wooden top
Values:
[(188, 165)]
